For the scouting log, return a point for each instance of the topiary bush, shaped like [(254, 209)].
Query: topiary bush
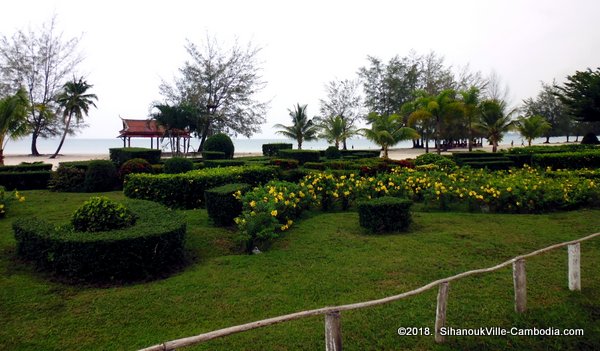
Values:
[(223, 203), (150, 248), (590, 139), (220, 142), (101, 175), (135, 165), (385, 214), (333, 153), (176, 165), (101, 214), (223, 163)]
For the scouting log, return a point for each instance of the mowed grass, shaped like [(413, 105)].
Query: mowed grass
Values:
[(325, 260)]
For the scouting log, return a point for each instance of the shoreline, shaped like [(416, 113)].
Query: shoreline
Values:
[(394, 153)]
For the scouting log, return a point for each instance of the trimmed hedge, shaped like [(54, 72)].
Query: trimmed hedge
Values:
[(27, 167), (101, 175), (284, 163), (220, 142), (25, 180), (385, 214), (135, 165), (314, 165), (75, 164), (187, 190), (333, 153), (302, 156), (213, 155), (123, 154), (223, 163), (154, 245), (176, 165), (549, 149), (68, 179), (273, 148), (221, 204), (568, 160), (494, 165)]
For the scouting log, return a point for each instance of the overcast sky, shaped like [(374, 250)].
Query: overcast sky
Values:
[(130, 46)]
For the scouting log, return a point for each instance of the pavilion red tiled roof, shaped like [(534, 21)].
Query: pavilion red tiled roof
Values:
[(144, 128)]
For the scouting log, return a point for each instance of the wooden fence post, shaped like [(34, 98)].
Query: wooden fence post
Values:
[(440, 313), (520, 283), (333, 332), (574, 267)]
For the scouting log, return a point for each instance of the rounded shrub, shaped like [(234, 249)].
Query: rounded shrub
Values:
[(220, 142), (385, 214), (151, 247), (135, 165), (67, 179), (101, 214), (176, 165), (434, 159), (333, 153), (101, 175), (590, 139)]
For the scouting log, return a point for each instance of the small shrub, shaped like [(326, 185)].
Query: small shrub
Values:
[(123, 154), (302, 156), (135, 165), (273, 148), (67, 179), (385, 214), (590, 139), (223, 203), (101, 175), (100, 214), (26, 167), (431, 158), (176, 165), (213, 155), (219, 142), (333, 153)]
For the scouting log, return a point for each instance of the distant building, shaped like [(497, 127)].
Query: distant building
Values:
[(149, 128)]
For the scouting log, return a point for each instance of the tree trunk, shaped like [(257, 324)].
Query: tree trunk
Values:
[(438, 142), (34, 150), (385, 152), (62, 140), (529, 142), (547, 140), (470, 136)]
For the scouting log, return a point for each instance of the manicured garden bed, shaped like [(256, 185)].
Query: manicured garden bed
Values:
[(325, 259)]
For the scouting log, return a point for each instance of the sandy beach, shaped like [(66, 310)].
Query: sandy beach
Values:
[(394, 153)]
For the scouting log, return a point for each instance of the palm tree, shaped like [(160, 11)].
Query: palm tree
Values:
[(494, 121), (470, 100), (13, 119), (532, 127), (437, 108), (75, 101), (302, 128), (387, 130), (335, 130)]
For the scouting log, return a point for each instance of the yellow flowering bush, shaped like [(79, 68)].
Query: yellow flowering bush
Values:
[(7, 198)]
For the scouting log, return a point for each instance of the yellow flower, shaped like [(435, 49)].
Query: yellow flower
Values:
[(22, 198), (252, 203), (289, 222), (274, 213)]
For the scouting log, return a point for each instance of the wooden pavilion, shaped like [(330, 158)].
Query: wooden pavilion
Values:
[(149, 128)]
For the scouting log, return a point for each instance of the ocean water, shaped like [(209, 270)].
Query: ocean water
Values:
[(242, 145)]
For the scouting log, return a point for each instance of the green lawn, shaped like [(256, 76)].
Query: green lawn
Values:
[(325, 260)]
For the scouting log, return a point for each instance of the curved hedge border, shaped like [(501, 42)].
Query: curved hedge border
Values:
[(152, 246), (186, 190)]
